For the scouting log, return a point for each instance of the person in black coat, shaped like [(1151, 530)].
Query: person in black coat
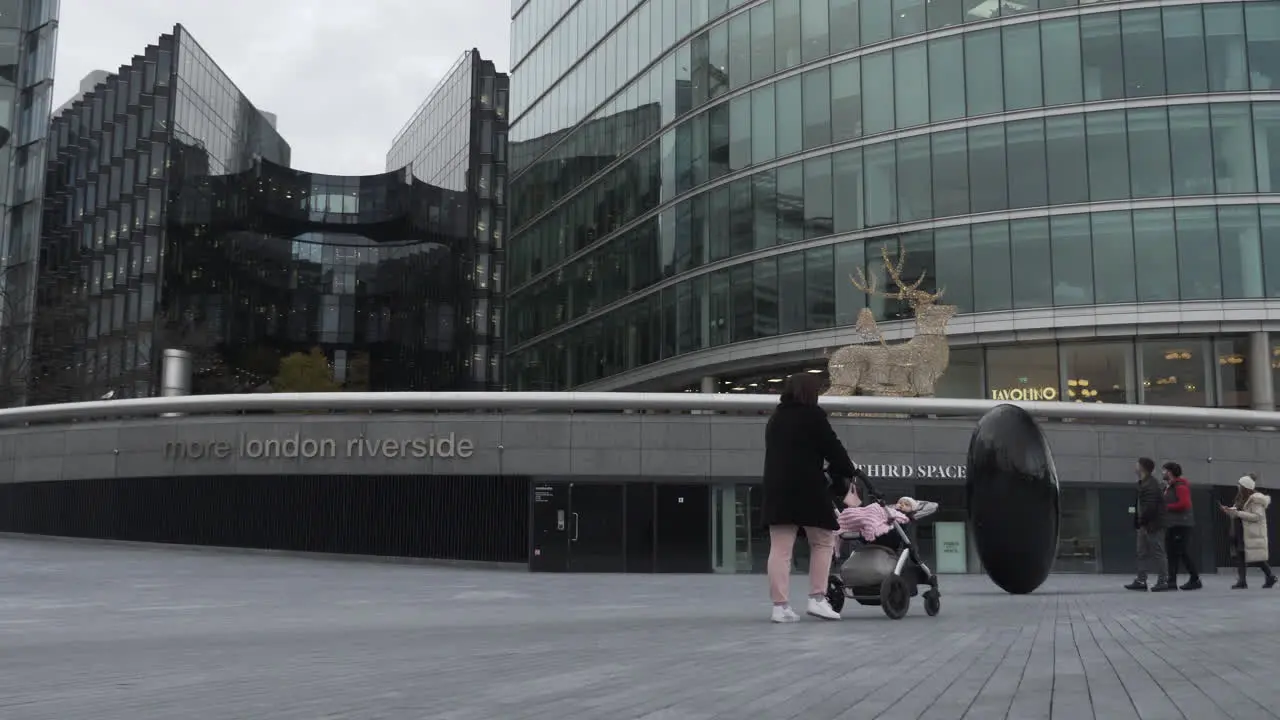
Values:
[(798, 441)]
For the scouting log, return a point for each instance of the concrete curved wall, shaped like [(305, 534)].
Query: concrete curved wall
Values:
[(568, 446)]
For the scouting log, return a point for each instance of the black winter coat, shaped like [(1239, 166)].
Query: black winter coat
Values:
[(797, 442), (1150, 506)]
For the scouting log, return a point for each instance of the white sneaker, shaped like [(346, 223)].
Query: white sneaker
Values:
[(820, 608), (784, 614)]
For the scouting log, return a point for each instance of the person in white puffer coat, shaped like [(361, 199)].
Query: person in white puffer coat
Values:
[(1249, 530)]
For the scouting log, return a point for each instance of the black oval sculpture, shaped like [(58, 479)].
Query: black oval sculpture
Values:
[(1011, 488)]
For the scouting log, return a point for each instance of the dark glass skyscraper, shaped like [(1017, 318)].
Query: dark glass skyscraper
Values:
[(457, 139), (173, 220), (28, 31)]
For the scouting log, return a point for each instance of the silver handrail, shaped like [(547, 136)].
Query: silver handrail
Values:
[(611, 401)]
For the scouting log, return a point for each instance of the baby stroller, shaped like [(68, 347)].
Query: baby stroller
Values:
[(878, 575)]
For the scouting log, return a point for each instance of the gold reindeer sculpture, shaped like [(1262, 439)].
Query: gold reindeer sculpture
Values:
[(905, 369)]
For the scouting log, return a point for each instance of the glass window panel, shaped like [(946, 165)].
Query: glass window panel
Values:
[(718, 304), (911, 82), (814, 29), (984, 72), (1113, 262), (1192, 149), (908, 17), (847, 183), (1199, 271), (1173, 372), (953, 262), (1271, 248), (1102, 57), (742, 291), (1031, 263), (1067, 159), (819, 288), (762, 42), (791, 299), (717, 141), (742, 235), (1149, 161), (718, 223), (844, 25), (1155, 243), (790, 200), (786, 19), (950, 181), (739, 132), (817, 197), (1263, 23), (1072, 260), (765, 291), (1143, 52), (763, 122), (1184, 51), (718, 60), (1233, 147), (1022, 79), (1225, 46), (817, 108), (992, 278), (764, 191), (1028, 169), (963, 378), (850, 260), (846, 100), (1266, 135), (877, 21), (1023, 373), (988, 184), (915, 197), (877, 93), (790, 117), (1063, 71), (1231, 361), (1099, 372), (946, 78), (740, 47), (1108, 155), (1241, 251), (880, 184)]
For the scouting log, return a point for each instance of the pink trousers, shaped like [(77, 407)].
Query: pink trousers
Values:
[(782, 543)]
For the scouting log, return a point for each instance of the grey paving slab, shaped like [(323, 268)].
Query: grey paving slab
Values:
[(115, 632)]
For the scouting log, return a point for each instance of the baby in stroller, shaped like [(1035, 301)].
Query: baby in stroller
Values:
[(884, 568)]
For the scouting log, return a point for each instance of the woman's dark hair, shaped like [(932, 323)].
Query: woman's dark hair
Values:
[(1147, 464), (1174, 469), (802, 388)]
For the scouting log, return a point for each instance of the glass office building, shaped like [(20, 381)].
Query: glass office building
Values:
[(694, 183), (173, 220), (457, 140), (28, 34)]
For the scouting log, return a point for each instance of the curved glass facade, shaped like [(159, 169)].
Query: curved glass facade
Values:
[(1059, 154)]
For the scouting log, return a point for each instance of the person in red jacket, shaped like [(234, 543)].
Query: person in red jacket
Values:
[(1180, 521)]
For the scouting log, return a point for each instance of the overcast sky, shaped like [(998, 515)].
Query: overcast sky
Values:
[(342, 75)]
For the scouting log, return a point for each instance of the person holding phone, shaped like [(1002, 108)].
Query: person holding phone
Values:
[(1249, 530)]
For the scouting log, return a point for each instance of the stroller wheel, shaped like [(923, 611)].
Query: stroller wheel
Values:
[(895, 597), (932, 603), (835, 594)]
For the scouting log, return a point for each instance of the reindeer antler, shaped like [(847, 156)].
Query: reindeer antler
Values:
[(910, 292)]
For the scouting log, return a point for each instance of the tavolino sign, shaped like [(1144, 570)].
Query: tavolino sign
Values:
[(914, 472), (297, 446)]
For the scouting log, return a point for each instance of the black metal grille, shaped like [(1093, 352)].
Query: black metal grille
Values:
[(476, 518)]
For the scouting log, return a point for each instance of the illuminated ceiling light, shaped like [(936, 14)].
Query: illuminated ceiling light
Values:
[(815, 371), (775, 380)]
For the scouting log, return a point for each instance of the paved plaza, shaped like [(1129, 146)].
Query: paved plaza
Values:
[(116, 632)]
